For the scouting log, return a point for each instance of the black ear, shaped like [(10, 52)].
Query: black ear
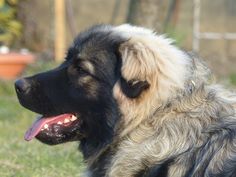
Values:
[(133, 88)]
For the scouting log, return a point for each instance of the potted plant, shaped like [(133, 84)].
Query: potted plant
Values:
[(11, 63)]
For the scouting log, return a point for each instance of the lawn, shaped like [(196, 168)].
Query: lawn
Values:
[(30, 159)]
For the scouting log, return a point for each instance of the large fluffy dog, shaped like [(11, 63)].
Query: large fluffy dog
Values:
[(138, 105)]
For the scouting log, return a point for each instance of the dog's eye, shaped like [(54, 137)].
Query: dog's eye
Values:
[(80, 70), (77, 66)]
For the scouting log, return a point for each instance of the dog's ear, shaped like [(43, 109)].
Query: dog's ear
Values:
[(133, 88), (136, 68)]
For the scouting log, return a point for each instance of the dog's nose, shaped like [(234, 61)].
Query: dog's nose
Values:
[(22, 86)]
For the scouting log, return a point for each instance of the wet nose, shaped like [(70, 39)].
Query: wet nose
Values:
[(22, 86)]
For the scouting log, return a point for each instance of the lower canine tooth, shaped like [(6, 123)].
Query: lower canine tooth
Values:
[(59, 122), (66, 120), (73, 118)]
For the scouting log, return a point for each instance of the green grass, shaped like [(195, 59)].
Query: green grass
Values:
[(30, 159), (233, 79)]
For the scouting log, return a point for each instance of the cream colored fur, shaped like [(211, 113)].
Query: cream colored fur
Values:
[(147, 56)]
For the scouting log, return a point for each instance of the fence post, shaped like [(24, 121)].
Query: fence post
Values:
[(59, 37)]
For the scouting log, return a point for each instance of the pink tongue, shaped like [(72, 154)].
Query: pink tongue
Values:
[(40, 122)]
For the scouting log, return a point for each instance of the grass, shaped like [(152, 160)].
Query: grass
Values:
[(30, 159), (233, 79)]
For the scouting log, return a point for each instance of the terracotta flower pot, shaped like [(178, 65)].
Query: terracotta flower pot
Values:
[(12, 64)]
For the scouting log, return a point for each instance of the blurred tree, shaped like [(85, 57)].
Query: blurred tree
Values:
[(37, 18), (145, 13), (10, 27), (70, 16), (172, 14)]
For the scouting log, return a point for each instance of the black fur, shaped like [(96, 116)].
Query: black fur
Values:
[(160, 170)]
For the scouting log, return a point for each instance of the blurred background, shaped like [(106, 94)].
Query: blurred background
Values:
[(34, 36)]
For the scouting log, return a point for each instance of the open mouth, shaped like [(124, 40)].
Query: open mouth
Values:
[(58, 126)]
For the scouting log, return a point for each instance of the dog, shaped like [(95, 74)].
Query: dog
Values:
[(138, 105)]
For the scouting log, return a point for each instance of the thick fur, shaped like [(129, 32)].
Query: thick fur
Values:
[(172, 121)]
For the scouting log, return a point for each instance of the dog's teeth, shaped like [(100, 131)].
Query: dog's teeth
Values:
[(42, 129), (45, 126), (73, 118), (66, 120), (59, 122)]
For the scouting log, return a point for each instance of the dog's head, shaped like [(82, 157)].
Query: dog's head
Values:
[(109, 73)]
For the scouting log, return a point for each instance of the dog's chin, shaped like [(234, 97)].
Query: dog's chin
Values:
[(55, 129)]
